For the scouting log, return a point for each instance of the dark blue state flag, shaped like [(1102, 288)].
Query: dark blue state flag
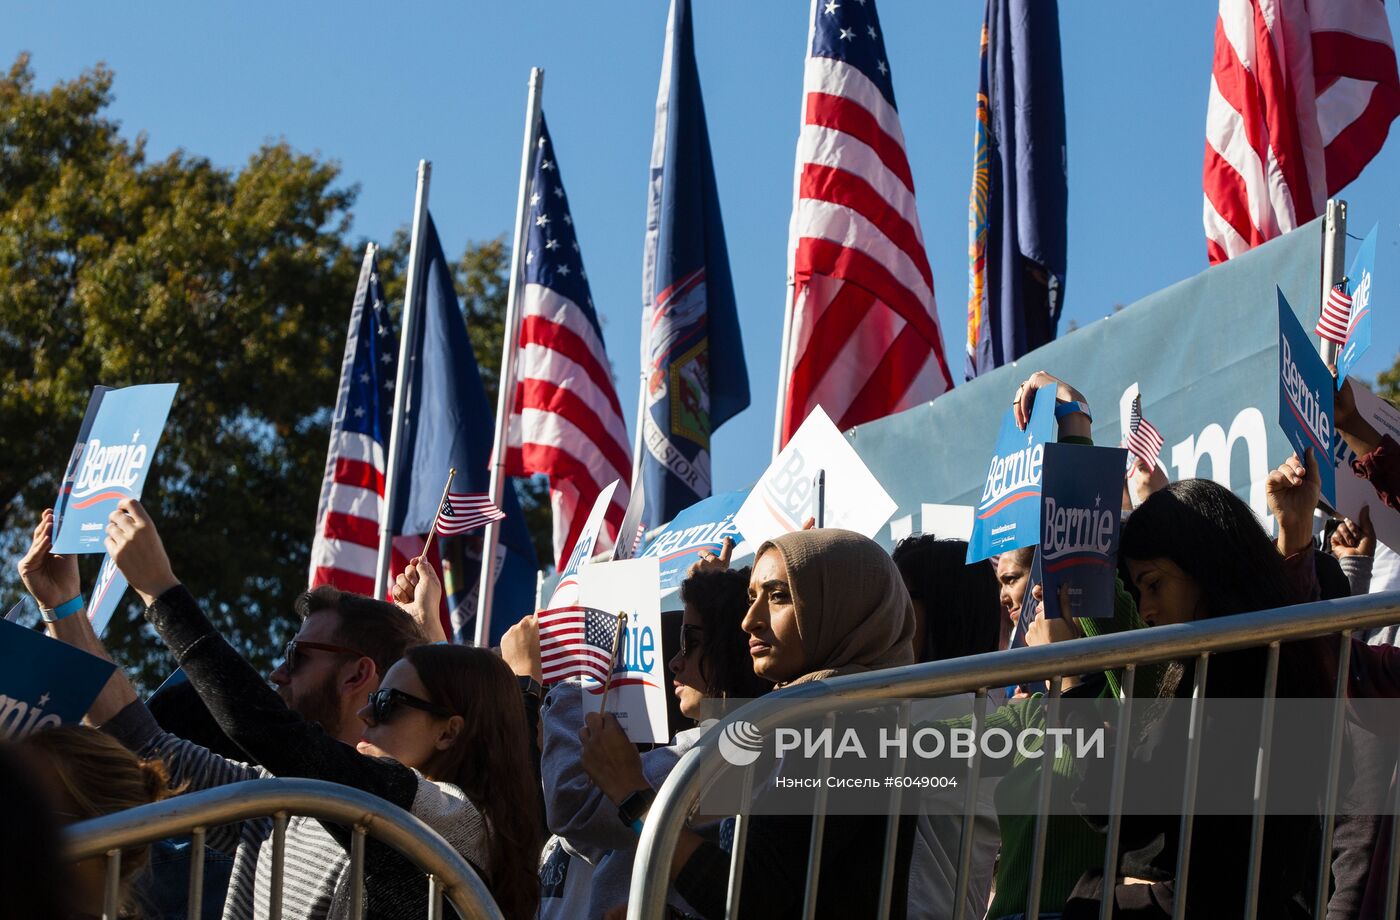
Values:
[(448, 423), (694, 376), (1016, 220)]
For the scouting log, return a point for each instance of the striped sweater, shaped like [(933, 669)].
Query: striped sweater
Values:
[(254, 717)]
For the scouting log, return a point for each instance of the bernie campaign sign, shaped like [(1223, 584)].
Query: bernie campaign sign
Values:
[(106, 595), (1359, 325), (700, 528), (116, 456), (1008, 513), (1305, 397), (1081, 498), (66, 487), (637, 694), (44, 682), (566, 591)]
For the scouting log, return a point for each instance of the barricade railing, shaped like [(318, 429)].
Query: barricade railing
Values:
[(702, 764), (447, 873)]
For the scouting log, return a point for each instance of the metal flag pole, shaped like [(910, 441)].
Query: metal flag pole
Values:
[(407, 337), (432, 530), (1334, 247), (819, 493), (789, 304), (510, 351)]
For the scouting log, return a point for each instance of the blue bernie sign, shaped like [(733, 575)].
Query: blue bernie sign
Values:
[(1305, 397), (116, 456), (1080, 518), (700, 528), (1007, 515), (44, 682), (1359, 286)]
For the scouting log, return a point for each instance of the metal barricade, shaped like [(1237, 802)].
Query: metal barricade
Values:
[(448, 874), (1126, 650)]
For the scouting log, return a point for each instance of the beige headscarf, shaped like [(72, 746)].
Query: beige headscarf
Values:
[(853, 611)]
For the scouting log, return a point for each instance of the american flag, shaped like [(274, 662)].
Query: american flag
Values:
[(576, 642), (864, 340), (345, 551), (567, 422), (1144, 440), (1335, 320), (1301, 98), (464, 511)]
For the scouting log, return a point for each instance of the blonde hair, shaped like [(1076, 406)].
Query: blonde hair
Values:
[(100, 777)]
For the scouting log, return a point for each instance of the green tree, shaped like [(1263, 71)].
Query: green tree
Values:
[(1388, 383), (120, 270), (235, 284)]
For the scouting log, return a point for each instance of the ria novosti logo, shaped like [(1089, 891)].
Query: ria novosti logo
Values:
[(740, 743)]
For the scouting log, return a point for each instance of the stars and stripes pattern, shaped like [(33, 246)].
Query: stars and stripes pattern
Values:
[(464, 511), (864, 340), (1144, 440), (566, 422), (345, 550), (1335, 321), (576, 642), (1302, 95)]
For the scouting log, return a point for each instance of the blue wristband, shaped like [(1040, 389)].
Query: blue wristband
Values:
[(62, 610), (1069, 408)]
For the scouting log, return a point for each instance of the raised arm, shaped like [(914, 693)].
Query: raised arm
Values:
[(53, 582), (243, 704)]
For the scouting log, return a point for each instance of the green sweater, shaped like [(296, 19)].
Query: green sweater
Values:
[(1071, 845)]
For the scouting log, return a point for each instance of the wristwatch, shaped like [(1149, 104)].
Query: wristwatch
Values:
[(531, 686), (634, 808)]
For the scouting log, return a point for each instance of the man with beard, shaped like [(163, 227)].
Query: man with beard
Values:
[(346, 643)]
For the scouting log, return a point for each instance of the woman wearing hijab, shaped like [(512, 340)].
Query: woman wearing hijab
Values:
[(823, 604)]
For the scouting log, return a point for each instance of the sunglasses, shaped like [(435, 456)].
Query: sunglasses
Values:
[(297, 647), (385, 700), (689, 644)]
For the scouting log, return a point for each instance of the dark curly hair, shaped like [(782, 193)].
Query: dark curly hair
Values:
[(721, 597)]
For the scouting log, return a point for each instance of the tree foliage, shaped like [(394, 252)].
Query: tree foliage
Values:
[(235, 284)]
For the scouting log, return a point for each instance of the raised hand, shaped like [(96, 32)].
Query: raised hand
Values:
[(1043, 630), (609, 758), (1292, 491), (418, 590), (135, 546), (520, 648), (1144, 480), (709, 561), (1074, 424), (52, 580)]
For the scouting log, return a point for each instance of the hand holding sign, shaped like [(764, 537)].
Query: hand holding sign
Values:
[(53, 580), (1072, 423), (136, 548), (1292, 491)]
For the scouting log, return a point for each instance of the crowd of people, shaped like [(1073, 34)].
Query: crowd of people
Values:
[(546, 802)]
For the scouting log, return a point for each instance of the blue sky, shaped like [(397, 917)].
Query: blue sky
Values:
[(376, 87)]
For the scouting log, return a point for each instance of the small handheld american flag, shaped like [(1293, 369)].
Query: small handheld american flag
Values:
[(1335, 320), (576, 642), (464, 511), (1144, 440)]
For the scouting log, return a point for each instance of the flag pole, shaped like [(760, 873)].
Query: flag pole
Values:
[(433, 529), (789, 304), (1334, 243), (510, 350), (406, 339), (612, 660)]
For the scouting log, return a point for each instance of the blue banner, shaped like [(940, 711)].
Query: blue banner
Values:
[(700, 528), (1359, 286), (448, 423), (1305, 397), (1027, 612), (1081, 512), (116, 456), (1017, 227), (66, 487), (1008, 513), (694, 376), (44, 682)]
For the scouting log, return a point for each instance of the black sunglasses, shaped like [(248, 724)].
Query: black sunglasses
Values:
[(385, 700), (296, 651), (688, 644)]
